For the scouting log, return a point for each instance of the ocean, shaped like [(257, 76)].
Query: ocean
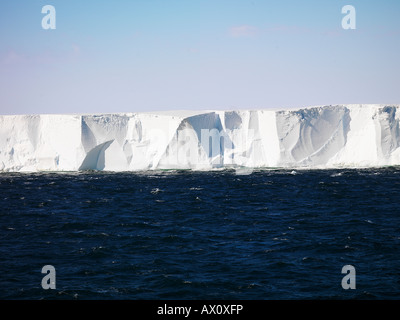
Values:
[(272, 234)]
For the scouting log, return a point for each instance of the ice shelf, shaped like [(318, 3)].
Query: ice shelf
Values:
[(313, 137)]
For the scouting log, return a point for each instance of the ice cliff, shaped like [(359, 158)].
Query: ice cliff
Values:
[(314, 137)]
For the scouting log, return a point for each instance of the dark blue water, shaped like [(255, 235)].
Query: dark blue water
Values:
[(205, 235)]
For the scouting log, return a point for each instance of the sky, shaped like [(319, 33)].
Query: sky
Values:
[(149, 55)]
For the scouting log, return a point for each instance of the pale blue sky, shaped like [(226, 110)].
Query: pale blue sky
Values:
[(148, 55)]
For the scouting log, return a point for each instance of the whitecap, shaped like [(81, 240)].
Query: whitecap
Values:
[(155, 190), (336, 174)]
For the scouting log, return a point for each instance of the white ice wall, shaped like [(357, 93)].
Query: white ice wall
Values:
[(320, 137)]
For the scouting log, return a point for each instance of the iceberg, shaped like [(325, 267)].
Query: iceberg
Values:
[(313, 137)]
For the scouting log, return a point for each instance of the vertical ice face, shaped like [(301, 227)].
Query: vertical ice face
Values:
[(40, 142), (103, 139), (361, 147), (19, 138), (330, 136), (148, 138), (312, 136), (268, 132), (387, 131)]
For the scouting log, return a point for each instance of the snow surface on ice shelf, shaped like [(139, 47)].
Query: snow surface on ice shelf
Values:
[(313, 137)]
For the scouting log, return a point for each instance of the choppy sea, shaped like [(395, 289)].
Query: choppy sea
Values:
[(272, 234)]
